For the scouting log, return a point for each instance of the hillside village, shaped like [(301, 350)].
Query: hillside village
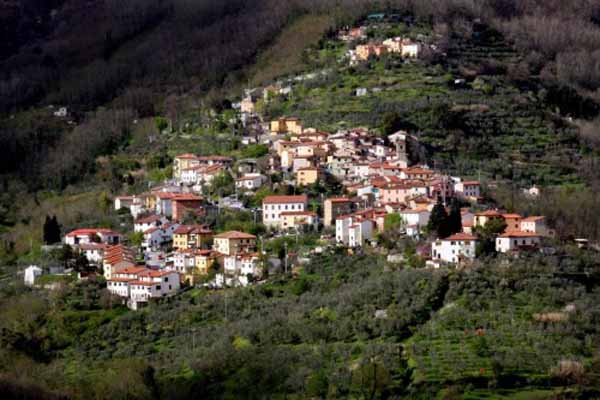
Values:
[(366, 187), (384, 200)]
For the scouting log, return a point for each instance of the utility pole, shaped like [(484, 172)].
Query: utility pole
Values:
[(286, 257)]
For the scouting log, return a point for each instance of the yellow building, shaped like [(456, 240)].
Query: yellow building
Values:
[(204, 260), (482, 218), (297, 219), (233, 242), (286, 125), (192, 237), (183, 161), (308, 176)]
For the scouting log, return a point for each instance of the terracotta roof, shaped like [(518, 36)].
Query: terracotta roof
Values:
[(192, 229), (187, 156), (155, 274), (91, 231), (235, 235), (131, 270), (148, 219), (470, 183), (518, 234), (186, 197), (92, 246), (511, 216), (461, 236), (285, 199), (533, 219), (339, 200)]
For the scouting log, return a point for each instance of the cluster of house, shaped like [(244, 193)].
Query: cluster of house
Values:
[(172, 201), (405, 47), (520, 234), (195, 251)]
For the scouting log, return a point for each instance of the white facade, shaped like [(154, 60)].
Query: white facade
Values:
[(353, 233), (418, 218), (534, 225), (250, 181), (86, 236), (468, 189), (516, 240), (238, 268), (139, 284), (411, 50), (93, 252), (157, 237), (31, 273), (272, 209), (150, 222), (455, 248)]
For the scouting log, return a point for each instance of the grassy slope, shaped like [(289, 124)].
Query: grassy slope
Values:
[(285, 56)]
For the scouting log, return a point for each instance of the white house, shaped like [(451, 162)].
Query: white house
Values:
[(515, 241), (273, 206), (145, 223), (468, 189), (410, 49), (240, 270), (535, 224), (454, 249), (123, 201), (360, 232), (139, 284), (156, 237), (31, 273), (87, 236), (94, 252), (415, 218), (184, 260), (250, 181), (352, 231)]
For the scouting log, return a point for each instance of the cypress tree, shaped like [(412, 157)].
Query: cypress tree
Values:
[(438, 221), (455, 218), (46, 234), (53, 231)]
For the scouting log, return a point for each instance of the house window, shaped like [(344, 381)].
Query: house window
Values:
[(157, 287), (167, 279)]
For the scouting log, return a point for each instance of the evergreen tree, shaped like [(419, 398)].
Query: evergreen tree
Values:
[(455, 218), (54, 232), (438, 221), (46, 234), (51, 230)]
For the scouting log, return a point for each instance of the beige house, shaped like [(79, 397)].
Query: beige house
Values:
[(234, 242), (308, 176), (286, 125), (297, 219), (535, 224), (183, 161), (482, 218)]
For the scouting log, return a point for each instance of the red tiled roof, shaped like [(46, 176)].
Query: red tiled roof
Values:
[(461, 236), (235, 235), (285, 199), (488, 213), (339, 200), (518, 234), (187, 156), (533, 219), (148, 219), (91, 231)]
